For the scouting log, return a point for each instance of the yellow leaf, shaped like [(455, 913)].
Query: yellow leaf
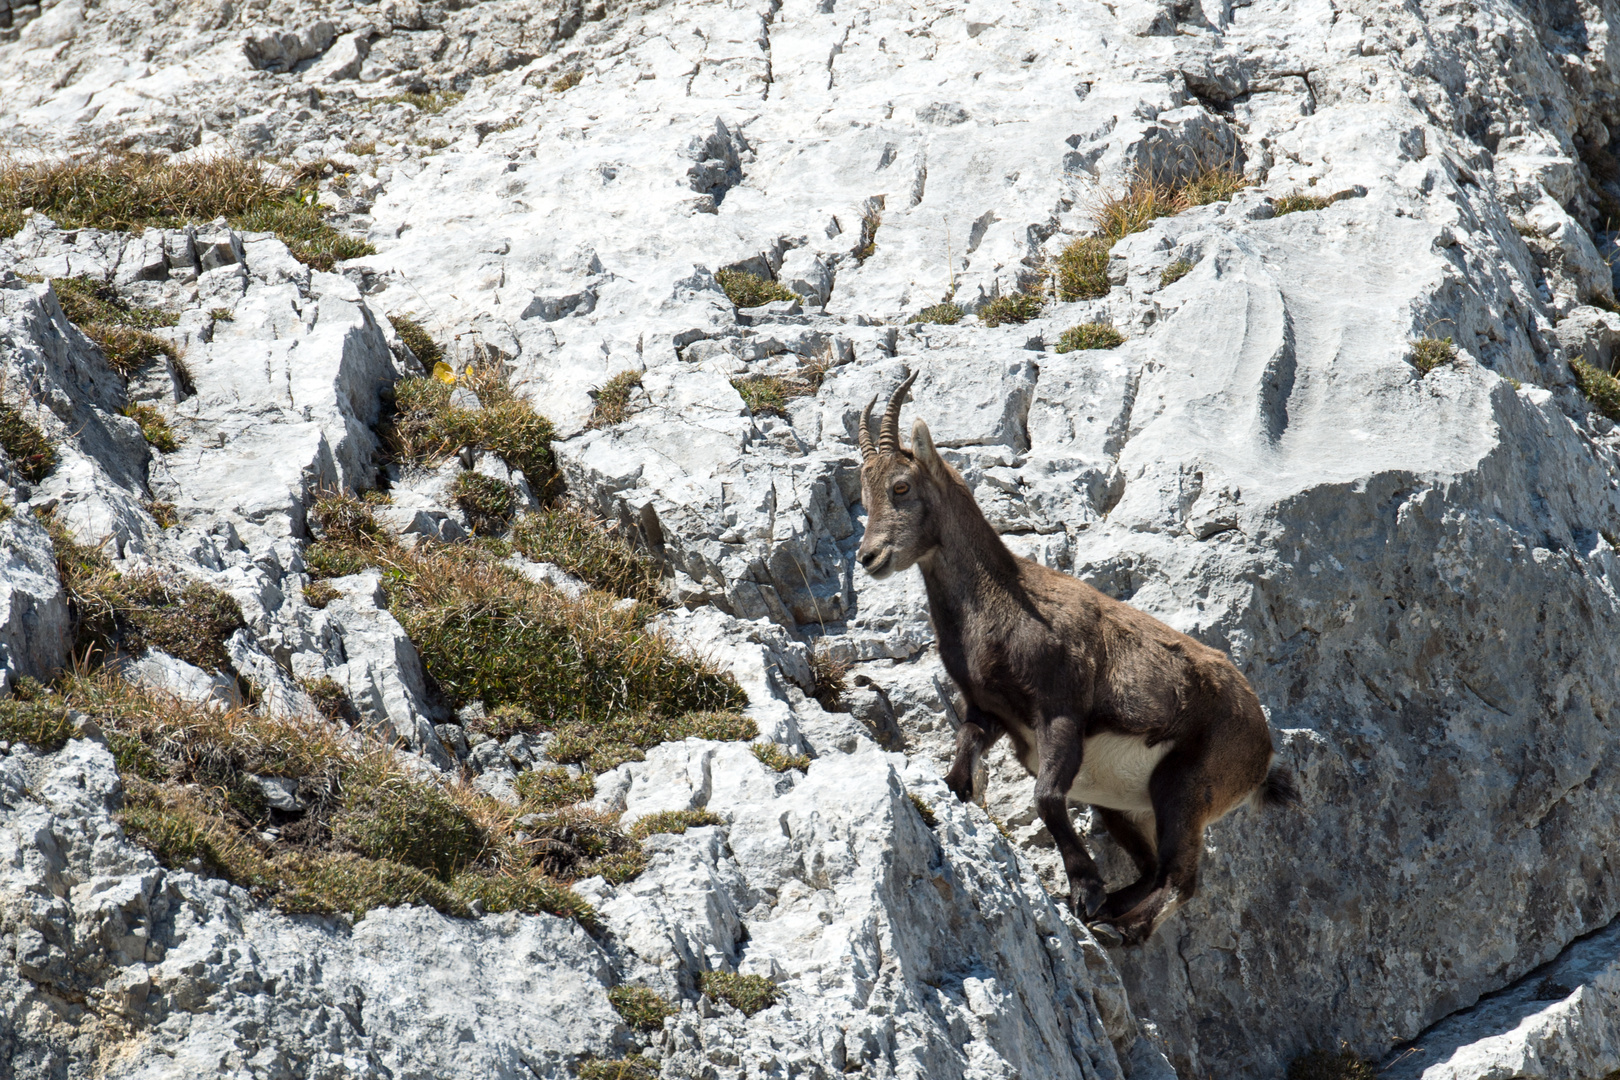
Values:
[(442, 372)]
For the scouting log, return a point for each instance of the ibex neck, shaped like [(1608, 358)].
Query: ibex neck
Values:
[(971, 564)]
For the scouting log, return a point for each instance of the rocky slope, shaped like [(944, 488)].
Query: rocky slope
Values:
[(1414, 569)]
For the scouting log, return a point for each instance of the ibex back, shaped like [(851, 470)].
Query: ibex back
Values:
[(1104, 705)]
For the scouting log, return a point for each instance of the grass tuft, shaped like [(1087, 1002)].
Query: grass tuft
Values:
[(317, 594), (613, 400), (1344, 1064), (418, 340), (642, 1009), (426, 428), (1297, 202), (672, 821), (331, 699), (553, 789), (1082, 269), (129, 192), (946, 314), (488, 503), (162, 512), (829, 674), (568, 82), (1175, 272), (748, 994), (154, 426), (1018, 308), (775, 757), (870, 220), (1429, 353), (222, 314), (929, 818), (1599, 387), (1092, 335), (631, 1068), (749, 290), (431, 103), (25, 444), (31, 716), (568, 536)]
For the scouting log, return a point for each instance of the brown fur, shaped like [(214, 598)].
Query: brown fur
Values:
[(1049, 661)]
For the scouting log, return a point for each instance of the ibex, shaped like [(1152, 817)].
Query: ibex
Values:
[(1104, 705)]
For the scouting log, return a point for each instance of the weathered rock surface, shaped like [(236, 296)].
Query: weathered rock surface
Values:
[(1416, 572)]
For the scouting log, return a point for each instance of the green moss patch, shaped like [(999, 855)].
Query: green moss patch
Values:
[(1092, 335), (748, 994)]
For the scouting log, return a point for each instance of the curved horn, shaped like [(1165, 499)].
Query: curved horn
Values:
[(864, 435), (889, 434)]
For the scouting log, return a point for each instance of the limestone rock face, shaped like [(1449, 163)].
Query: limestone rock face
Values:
[(1414, 568)]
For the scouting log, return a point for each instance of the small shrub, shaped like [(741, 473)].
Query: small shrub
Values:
[(570, 537), (430, 103), (642, 1009), (1017, 308), (671, 821), (488, 503), (749, 290), (221, 314), (870, 220), (331, 699), (945, 314), (613, 399), (930, 818), (828, 674), (427, 428), (163, 513), (554, 788), (417, 339), (1599, 387), (630, 1068), (748, 994), (154, 427), (1082, 269), (1175, 272), (1429, 353), (25, 444), (317, 594), (1319, 1064), (773, 756), (1297, 202), (1092, 335), (567, 82)]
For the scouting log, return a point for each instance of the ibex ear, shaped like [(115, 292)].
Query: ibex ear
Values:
[(922, 448)]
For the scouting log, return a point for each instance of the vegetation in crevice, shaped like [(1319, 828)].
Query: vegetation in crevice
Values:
[(634, 1067), (1092, 335), (121, 331), (750, 290), (925, 811), (417, 339), (1599, 387), (1081, 269), (1016, 308), (154, 426), (768, 395), (567, 82), (1297, 202), (748, 994), (613, 399), (128, 192), (430, 102), (642, 1009), (1175, 272), (29, 450), (778, 759), (427, 427), (829, 674), (672, 821), (870, 220), (945, 314), (1342, 1064), (489, 503), (568, 536), (553, 788), (1429, 353)]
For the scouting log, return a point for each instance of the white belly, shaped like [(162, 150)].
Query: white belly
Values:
[(1115, 770)]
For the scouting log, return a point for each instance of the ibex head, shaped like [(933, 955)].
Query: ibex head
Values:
[(902, 490)]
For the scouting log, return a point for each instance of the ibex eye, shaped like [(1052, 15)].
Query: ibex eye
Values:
[(901, 488)]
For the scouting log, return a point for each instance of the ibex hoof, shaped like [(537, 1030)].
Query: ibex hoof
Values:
[(1088, 899), (1107, 936)]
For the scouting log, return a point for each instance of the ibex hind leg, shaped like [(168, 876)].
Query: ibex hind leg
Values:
[(1183, 799), (1128, 832)]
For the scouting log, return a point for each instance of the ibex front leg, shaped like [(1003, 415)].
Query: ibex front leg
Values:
[(979, 732), (1060, 748)]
